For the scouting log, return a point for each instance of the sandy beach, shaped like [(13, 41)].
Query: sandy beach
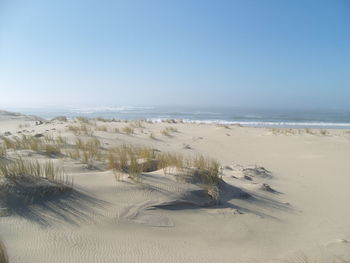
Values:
[(283, 195)]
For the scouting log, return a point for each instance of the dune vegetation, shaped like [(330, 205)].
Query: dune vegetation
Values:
[(134, 160), (3, 253)]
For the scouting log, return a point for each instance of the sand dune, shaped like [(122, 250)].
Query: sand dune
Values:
[(282, 195)]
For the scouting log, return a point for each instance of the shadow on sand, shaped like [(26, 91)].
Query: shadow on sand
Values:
[(72, 207)]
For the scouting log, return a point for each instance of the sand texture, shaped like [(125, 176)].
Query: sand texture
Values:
[(284, 193)]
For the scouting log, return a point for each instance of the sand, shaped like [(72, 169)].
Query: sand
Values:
[(298, 206)]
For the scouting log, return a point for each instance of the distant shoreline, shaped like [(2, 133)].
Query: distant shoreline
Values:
[(258, 119)]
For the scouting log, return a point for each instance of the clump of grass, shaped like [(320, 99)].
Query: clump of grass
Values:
[(3, 151), (309, 131), (169, 121), (167, 131), (116, 130), (26, 125), (172, 129), (47, 145), (52, 149), (20, 168), (87, 150), (138, 124), (60, 118), (83, 120), (81, 130), (61, 140), (128, 130), (152, 136), (3, 253), (207, 169), (73, 154), (134, 160), (324, 132), (102, 128), (131, 160), (170, 160), (104, 119), (224, 126)]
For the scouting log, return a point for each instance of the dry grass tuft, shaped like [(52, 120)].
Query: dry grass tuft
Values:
[(83, 120), (134, 160), (60, 118), (46, 145), (102, 128), (152, 136), (81, 130), (87, 150), (138, 124), (131, 160), (104, 119), (3, 253), (22, 168), (324, 132), (309, 131), (128, 130), (285, 131), (3, 151), (167, 131)]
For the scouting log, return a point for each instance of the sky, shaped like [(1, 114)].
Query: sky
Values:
[(241, 53)]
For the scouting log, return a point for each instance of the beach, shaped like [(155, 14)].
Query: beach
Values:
[(282, 194)]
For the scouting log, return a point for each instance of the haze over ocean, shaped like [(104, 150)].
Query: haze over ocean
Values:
[(225, 115)]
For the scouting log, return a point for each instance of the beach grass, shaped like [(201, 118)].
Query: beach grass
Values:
[(3, 253), (86, 150), (134, 160), (3, 151), (21, 168), (152, 136), (82, 129), (46, 145), (60, 118), (102, 128), (128, 130)]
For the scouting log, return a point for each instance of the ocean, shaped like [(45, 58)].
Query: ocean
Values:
[(337, 119)]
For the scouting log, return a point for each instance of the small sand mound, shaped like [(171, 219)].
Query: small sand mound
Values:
[(26, 190), (268, 188), (259, 172), (168, 193)]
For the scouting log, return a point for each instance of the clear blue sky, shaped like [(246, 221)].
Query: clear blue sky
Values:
[(267, 53)]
